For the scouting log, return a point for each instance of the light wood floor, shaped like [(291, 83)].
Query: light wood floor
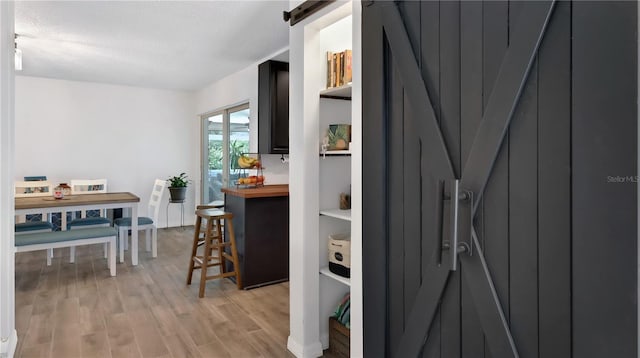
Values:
[(78, 310)]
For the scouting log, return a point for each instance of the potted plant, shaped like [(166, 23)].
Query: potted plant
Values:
[(178, 187)]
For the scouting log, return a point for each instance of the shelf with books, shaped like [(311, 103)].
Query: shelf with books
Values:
[(339, 68)]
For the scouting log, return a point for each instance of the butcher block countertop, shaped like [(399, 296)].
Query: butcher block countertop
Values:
[(261, 192)]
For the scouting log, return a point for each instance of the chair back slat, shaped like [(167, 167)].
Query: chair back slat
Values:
[(25, 189), (88, 186), (155, 199)]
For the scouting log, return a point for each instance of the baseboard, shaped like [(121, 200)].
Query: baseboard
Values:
[(310, 351), (8, 348), (324, 340)]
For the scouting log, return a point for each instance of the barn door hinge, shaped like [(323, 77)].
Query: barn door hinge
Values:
[(460, 203)]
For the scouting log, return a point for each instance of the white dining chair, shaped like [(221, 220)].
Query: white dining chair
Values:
[(148, 224), (26, 189), (88, 186)]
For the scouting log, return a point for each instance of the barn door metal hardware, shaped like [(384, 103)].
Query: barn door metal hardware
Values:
[(460, 203), (305, 10)]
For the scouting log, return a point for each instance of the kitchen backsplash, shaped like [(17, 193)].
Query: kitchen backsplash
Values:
[(275, 172)]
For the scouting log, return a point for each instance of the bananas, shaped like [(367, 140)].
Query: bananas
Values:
[(248, 162)]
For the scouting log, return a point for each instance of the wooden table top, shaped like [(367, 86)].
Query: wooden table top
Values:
[(74, 200), (261, 192)]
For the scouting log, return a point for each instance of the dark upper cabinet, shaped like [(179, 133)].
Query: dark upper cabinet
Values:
[(273, 107)]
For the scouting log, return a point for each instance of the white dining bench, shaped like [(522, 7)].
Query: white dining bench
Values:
[(70, 238)]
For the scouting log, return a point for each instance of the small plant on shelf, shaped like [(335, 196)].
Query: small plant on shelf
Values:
[(339, 136), (178, 187)]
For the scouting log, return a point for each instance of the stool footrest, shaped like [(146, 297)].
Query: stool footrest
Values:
[(220, 245), (213, 260), (227, 256), (222, 275)]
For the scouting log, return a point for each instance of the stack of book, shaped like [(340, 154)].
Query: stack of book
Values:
[(339, 68)]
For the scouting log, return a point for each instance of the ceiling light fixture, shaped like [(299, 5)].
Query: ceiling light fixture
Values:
[(18, 54)]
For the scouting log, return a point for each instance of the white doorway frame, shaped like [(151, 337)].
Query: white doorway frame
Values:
[(8, 334)]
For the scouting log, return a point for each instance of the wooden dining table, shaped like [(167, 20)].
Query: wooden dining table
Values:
[(49, 204)]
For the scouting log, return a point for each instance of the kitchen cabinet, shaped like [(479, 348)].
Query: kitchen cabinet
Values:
[(261, 225), (273, 107)]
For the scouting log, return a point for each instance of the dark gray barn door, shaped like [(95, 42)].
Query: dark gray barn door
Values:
[(471, 135)]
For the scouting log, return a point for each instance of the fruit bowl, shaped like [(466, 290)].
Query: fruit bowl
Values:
[(249, 166), (249, 161), (252, 181)]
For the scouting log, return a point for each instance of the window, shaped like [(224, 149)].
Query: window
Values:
[(225, 137)]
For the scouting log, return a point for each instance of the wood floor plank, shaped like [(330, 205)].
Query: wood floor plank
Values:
[(95, 344), (38, 351), (23, 316), (147, 336), (91, 314), (65, 340), (67, 312), (166, 321), (215, 350), (79, 310), (212, 315), (40, 331), (267, 346), (110, 299), (197, 328), (126, 351), (181, 346), (20, 345), (67, 281), (236, 341), (119, 330), (45, 303)]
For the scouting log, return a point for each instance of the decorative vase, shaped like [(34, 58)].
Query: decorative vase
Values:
[(178, 194), (66, 189)]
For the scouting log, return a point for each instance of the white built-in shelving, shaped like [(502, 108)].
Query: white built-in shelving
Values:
[(343, 280), (335, 107), (315, 290), (341, 92), (336, 153), (337, 213)]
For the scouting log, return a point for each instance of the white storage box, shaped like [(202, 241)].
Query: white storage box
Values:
[(340, 254)]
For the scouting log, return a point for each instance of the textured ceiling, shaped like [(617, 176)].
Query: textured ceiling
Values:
[(181, 45)]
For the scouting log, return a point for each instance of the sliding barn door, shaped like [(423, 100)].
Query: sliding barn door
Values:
[(473, 146)]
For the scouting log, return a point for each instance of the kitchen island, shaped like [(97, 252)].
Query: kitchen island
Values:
[(261, 224)]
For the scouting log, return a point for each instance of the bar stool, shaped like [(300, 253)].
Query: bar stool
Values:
[(219, 204), (214, 240)]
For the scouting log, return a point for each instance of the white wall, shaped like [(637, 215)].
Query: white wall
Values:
[(131, 136), (238, 88)]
